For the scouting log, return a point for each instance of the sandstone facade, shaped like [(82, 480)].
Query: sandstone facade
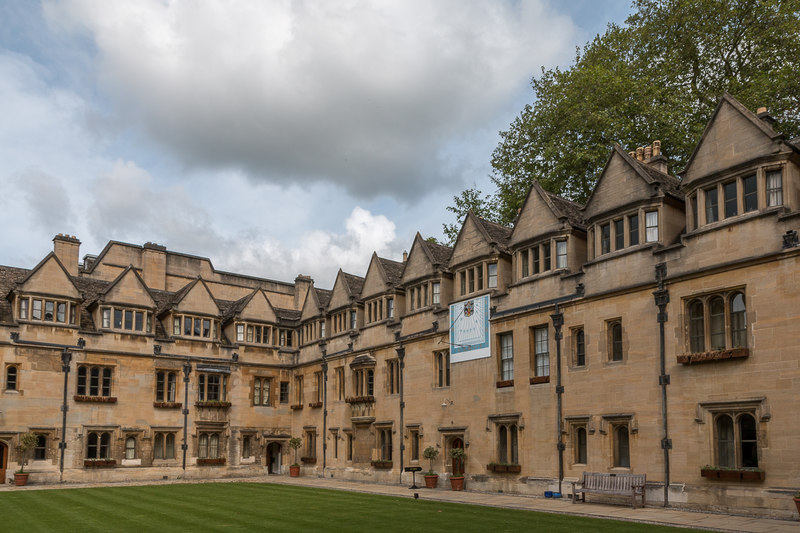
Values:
[(575, 378)]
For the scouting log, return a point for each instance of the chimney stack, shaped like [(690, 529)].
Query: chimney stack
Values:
[(67, 248), (764, 115), (405, 256), (154, 266)]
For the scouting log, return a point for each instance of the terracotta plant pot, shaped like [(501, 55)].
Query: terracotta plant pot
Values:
[(797, 504), (21, 479), (457, 483), (431, 481), (294, 471)]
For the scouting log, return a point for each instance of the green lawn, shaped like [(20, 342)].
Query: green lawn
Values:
[(265, 507)]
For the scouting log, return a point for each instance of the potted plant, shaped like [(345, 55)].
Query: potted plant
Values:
[(295, 443), (431, 479), (457, 479), (27, 442), (797, 500)]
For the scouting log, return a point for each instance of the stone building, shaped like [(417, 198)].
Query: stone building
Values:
[(650, 330)]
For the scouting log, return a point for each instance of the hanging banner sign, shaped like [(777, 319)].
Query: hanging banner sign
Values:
[(469, 330)]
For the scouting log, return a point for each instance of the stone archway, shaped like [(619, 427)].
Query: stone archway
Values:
[(274, 450)]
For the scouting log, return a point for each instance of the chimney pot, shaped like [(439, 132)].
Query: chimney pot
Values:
[(761, 109), (632, 153), (656, 148), (640, 153), (648, 153), (405, 256)]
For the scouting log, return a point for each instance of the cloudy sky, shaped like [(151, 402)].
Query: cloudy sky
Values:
[(274, 137)]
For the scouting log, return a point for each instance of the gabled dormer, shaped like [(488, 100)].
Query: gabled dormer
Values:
[(253, 320), (125, 305), (634, 203), (548, 236), (312, 315), (481, 258), (195, 313), (343, 306), (47, 295), (426, 276), (381, 286), (740, 167)]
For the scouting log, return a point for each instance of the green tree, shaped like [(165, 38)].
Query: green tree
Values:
[(658, 76), (469, 200)]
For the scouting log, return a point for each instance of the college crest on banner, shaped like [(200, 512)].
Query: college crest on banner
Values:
[(469, 330)]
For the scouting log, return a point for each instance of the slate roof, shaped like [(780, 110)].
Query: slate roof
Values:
[(354, 283), (669, 184), (393, 270), (497, 233), (324, 296), (288, 315), (567, 208), (9, 277), (441, 254)]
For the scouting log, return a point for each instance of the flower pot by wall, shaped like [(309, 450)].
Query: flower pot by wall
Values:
[(431, 481), (457, 483), (797, 504), (21, 479), (294, 471)]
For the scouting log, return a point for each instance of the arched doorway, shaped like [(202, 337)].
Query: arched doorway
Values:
[(458, 464), (274, 458), (3, 461)]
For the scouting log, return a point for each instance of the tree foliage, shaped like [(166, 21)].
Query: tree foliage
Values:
[(469, 200), (658, 76)]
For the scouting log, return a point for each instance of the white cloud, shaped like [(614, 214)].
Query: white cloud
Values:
[(366, 94)]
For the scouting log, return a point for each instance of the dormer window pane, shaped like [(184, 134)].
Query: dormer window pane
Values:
[(206, 327), (106, 318), (651, 226), (249, 333), (353, 319), (61, 312), (536, 260), (774, 188), (546, 256), (49, 309), (619, 234), (129, 320), (561, 254), (712, 206), (139, 320), (239, 332), (390, 307), (118, 318), (197, 327), (479, 270), (524, 260), (463, 283), (729, 190), (37, 310), (471, 273), (492, 270), (23, 308), (633, 230), (187, 326), (605, 238), (258, 334), (176, 326), (750, 193)]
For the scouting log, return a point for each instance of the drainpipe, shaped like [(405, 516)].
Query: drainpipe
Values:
[(558, 321), (323, 349), (401, 355), (187, 369), (662, 299), (66, 358)]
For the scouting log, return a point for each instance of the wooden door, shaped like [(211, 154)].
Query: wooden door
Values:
[(3, 461), (458, 464)]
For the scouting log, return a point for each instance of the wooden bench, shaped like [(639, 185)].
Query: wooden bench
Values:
[(611, 484)]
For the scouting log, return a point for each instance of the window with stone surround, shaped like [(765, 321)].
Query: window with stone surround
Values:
[(47, 310), (164, 445), (716, 321), (393, 376), (203, 327), (12, 378), (442, 368), (541, 354), (262, 389), (212, 387), (123, 319), (94, 381), (208, 445), (98, 445), (505, 343), (614, 340), (166, 385)]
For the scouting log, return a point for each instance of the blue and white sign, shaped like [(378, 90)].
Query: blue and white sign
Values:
[(469, 330)]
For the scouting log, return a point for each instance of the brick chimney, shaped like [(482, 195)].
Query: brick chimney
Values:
[(154, 266), (67, 248)]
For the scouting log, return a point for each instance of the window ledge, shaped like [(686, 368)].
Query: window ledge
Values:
[(297, 406), (216, 461), (315, 405), (168, 405), (540, 379), (361, 399), (501, 468), (717, 355), (733, 474), (505, 383), (308, 460), (94, 399), (381, 464), (99, 463), (213, 404)]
